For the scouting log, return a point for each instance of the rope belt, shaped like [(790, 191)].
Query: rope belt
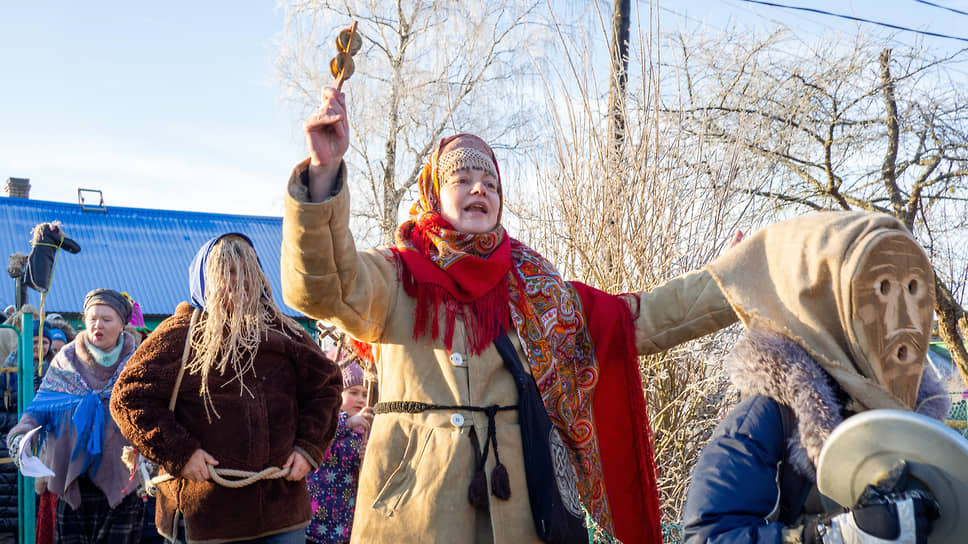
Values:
[(247, 477), (477, 491)]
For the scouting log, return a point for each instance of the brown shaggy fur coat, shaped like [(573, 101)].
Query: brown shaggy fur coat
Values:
[(293, 406)]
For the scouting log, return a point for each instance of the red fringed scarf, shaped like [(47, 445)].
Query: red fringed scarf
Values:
[(625, 443), (465, 274), (586, 367)]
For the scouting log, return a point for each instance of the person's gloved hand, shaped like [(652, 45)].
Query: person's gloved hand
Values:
[(881, 516)]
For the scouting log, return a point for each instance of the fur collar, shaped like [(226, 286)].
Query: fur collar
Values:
[(765, 363)]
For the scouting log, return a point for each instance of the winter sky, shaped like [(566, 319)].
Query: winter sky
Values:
[(176, 104)]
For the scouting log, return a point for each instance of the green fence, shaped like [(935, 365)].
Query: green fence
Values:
[(958, 415)]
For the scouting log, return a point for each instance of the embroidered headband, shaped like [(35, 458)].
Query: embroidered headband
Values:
[(464, 157)]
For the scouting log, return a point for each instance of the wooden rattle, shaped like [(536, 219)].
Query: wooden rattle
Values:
[(348, 42)]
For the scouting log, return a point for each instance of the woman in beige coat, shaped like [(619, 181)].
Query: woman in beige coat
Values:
[(447, 460)]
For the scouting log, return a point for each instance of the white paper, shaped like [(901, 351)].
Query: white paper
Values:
[(30, 465)]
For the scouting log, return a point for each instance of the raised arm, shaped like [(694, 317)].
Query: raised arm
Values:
[(323, 274)]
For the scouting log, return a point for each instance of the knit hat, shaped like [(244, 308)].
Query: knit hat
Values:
[(57, 334), (111, 298), (47, 330), (352, 374), (352, 371)]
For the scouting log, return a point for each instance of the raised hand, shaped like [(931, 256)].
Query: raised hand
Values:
[(327, 137), (361, 421), (737, 238)]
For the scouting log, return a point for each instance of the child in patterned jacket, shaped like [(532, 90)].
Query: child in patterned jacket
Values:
[(333, 485)]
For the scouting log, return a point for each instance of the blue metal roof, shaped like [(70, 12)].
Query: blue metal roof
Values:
[(144, 252)]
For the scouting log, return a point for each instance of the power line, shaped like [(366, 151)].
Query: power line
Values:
[(852, 18), (932, 4)]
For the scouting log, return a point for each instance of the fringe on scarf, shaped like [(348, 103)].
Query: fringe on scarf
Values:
[(363, 350), (484, 319)]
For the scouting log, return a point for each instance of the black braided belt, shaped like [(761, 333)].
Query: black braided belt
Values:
[(413, 407), (477, 492)]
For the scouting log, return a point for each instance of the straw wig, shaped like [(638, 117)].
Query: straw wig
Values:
[(234, 300)]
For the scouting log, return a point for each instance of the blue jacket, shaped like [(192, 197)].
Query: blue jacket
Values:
[(744, 458), (753, 478)]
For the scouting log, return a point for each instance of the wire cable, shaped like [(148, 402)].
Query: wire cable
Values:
[(932, 4), (860, 19)]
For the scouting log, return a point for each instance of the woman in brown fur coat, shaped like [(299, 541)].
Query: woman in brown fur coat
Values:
[(252, 392)]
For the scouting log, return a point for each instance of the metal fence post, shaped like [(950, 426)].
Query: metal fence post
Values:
[(27, 500)]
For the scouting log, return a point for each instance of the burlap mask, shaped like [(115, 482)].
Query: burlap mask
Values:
[(853, 288), (892, 305)]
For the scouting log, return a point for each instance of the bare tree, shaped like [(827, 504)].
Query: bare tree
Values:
[(427, 68), (842, 126), (654, 211)]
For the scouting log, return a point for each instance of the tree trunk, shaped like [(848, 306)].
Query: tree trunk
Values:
[(889, 166), (952, 327), (388, 216), (950, 313)]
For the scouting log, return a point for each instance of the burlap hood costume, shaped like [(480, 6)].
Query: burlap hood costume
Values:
[(812, 279), (839, 308)]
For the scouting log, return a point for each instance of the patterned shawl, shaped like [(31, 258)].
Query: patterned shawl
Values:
[(65, 398), (491, 281)]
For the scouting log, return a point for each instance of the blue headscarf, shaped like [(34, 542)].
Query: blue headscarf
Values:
[(196, 271)]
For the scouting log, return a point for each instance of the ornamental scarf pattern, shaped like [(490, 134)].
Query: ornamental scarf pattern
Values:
[(490, 280), (548, 318), (453, 271)]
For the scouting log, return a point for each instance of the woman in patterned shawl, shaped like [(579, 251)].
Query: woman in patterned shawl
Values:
[(79, 441), (447, 311)]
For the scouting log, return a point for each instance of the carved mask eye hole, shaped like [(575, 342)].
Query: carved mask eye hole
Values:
[(902, 353), (884, 286), (913, 287)]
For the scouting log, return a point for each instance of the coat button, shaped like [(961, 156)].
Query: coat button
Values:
[(457, 420), (457, 359)]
